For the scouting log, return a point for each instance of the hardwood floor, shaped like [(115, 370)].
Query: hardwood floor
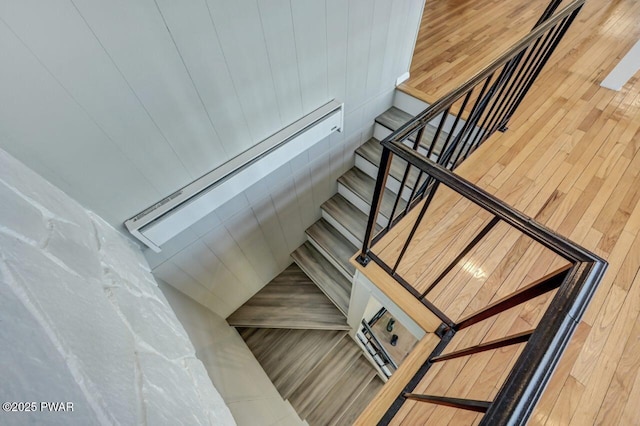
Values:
[(406, 341), (571, 159)]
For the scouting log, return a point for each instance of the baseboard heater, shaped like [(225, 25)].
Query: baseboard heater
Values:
[(167, 218)]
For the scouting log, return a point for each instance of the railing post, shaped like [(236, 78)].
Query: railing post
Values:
[(378, 193), (551, 8), (536, 72)]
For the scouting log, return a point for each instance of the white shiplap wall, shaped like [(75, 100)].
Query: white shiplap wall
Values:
[(121, 103)]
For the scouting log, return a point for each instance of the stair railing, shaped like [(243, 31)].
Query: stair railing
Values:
[(574, 284), (467, 116), (428, 168), (377, 350)]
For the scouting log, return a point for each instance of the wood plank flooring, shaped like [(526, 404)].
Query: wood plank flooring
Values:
[(324, 275), (571, 159), (323, 374), (291, 300), (334, 244)]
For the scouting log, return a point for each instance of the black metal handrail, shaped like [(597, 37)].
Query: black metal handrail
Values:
[(429, 166), (486, 105), (380, 349), (575, 285)]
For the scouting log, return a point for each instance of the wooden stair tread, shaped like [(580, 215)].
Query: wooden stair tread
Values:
[(324, 275), (372, 152), (363, 186), (309, 350), (347, 215), (334, 244), (288, 356), (361, 402), (343, 394), (394, 118), (324, 376), (262, 340), (292, 301)]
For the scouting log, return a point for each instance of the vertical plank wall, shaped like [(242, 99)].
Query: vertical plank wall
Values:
[(121, 103)]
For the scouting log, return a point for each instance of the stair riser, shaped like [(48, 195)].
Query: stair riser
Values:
[(353, 239), (360, 204), (408, 103)]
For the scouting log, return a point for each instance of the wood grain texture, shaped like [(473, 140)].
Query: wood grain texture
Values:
[(360, 403), (321, 380), (372, 152), (385, 397), (363, 186), (404, 345), (570, 159), (291, 300), (394, 117), (324, 275), (325, 236), (353, 382), (289, 356), (347, 215)]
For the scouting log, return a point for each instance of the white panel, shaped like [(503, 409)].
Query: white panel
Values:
[(408, 103), (337, 27), (309, 21), (222, 244), (135, 36), (360, 19), (324, 184), (266, 215), (393, 66), (41, 122), (95, 83), (194, 34), (181, 241), (626, 68), (285, 202), (378, 47), (239, 30), (185, 213), (246, 232), (359, 281), (277, 26), (204, 267), (309, 211), (411, 29), (180, 280)]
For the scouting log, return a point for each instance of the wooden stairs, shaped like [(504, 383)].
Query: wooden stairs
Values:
[(323, 374), (290, 301), (296, 325)]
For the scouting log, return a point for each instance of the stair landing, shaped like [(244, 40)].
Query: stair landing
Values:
[(291, 300)]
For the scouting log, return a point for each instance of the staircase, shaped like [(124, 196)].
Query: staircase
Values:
[(296, 325), (322, 374)]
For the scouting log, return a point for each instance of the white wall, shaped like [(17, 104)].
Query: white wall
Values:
[(83, 321), (121, 103), (223, 260), (235, 372), (228, 256), (367, 298)]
